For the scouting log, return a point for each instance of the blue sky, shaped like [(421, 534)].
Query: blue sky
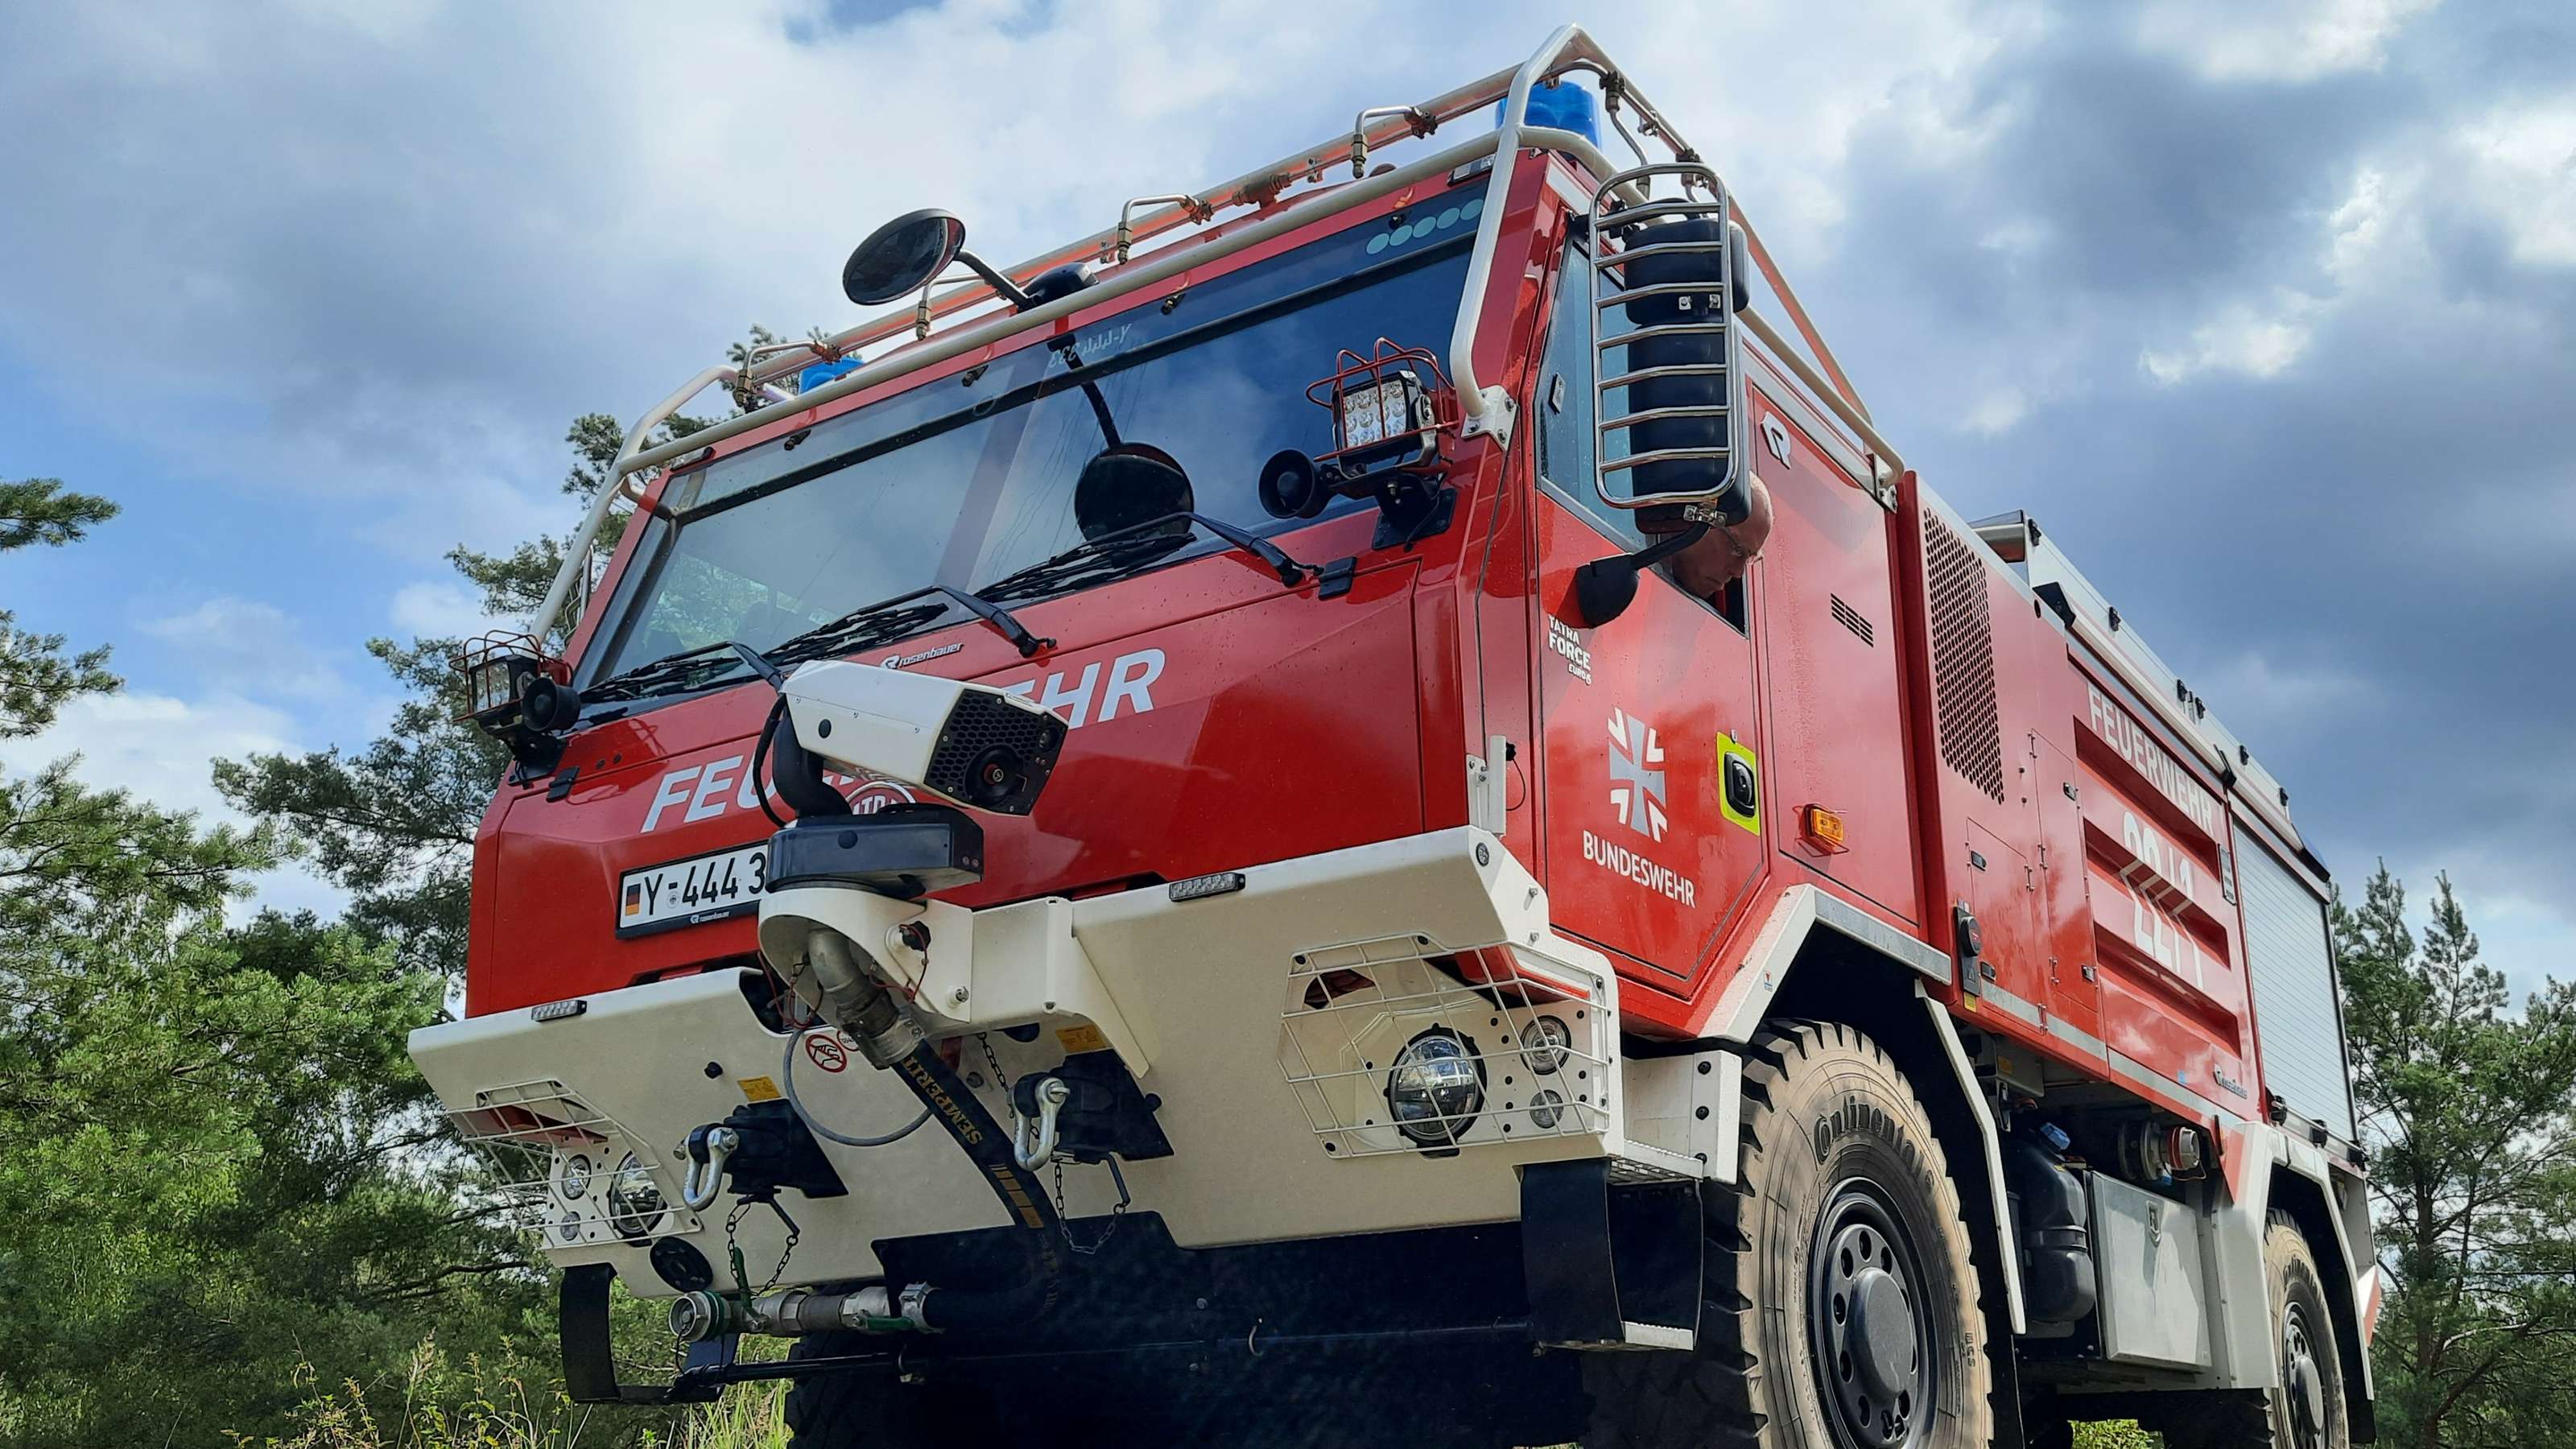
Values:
[(2268, 311)]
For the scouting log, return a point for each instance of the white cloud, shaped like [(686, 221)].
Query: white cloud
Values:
[(400, 315), (159, 746), (1999, 411), (249, 648), (2020, 236), (162, 749), (1782, 113), (2359, 229), (2523, 169), (2288, 40), (440, 608), (2264, 698), (2372, 246), (2241, 339), (2530, 938)]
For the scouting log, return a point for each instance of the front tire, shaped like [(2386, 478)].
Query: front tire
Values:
[(1842, 1303)]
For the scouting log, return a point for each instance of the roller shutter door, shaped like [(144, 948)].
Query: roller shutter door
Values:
[(2297, 1027)]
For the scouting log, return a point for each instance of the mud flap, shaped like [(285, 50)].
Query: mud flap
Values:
[(1610, 1267), (590, 1371)]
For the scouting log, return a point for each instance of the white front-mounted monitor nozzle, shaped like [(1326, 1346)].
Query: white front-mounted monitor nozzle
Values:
[(968, 744)]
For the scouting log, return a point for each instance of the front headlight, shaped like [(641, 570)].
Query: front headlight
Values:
[(635, 1203), (574, 1178), (1436, 1088)]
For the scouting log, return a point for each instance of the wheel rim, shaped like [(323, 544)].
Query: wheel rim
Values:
[(2304, 1380), (1869, 1325)]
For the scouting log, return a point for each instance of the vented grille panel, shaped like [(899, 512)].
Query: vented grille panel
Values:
[(1963, 659), (1850, 618)]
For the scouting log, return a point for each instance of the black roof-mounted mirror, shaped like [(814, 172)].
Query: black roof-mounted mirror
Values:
[(909, 252), (901, 256)]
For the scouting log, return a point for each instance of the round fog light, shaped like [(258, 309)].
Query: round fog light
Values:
[(1436, 1088), (575, 1177), (1546, 1042), (635, 1203), (1546, 1107)]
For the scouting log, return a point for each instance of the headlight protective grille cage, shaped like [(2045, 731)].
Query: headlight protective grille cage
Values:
[(1537, 1033)]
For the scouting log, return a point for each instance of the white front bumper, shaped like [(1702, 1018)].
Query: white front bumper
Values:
[(1213, 985)]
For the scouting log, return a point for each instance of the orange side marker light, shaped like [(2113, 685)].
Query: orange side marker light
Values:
[(1822, 828)]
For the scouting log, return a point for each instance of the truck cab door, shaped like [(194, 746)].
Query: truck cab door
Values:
[(1647, 850)]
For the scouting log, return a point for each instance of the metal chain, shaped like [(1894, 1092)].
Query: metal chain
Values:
[(1000, 1079), (1064, 1221), (733, 1248), (1117, 1211)]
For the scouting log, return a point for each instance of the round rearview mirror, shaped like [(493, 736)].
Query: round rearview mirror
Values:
[(898, 257), (1128, 485)]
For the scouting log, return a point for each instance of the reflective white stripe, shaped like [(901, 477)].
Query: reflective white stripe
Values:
[(2075, 1036), (1993, 995)]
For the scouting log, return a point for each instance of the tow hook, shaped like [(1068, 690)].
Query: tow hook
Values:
[(1033, 1138), (760, 1149), (708, 1148)]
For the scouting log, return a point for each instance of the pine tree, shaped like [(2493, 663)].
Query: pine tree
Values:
[(2470, 1108), (36, 678)]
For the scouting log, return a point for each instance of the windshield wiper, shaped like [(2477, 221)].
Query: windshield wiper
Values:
[(873, 624), (668, 673), (1130, 549)]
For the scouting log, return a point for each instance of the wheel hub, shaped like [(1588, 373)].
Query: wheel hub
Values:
[(1881, 1340), (2304, 1381), (1868, 1324)]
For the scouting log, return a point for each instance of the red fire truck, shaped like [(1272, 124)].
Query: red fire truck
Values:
[(1368, 808)]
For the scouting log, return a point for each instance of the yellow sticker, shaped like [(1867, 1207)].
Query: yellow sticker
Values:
[(1739, 779), (1083, 1038), (758, 1089)]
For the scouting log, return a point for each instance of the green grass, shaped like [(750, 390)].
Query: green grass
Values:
[(436, 1402)]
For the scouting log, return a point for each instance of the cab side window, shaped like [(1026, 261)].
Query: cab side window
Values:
[(1565, 426)]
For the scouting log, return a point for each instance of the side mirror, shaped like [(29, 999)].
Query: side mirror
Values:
[(909, 252), (901, 256)]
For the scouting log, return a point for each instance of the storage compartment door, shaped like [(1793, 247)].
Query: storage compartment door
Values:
[(2298, 1029), (2147, 1252)]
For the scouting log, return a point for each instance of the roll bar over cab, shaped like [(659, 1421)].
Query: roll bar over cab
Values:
[(1494, 787)]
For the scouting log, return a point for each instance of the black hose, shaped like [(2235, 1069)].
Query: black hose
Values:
[(964, 1117), (760, 757), (798, 775)]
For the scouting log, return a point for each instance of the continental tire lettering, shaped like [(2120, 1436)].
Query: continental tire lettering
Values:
[(959, 1124), (1856, 1117)]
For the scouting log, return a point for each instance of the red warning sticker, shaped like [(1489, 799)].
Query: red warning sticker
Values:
[(824, 1050)]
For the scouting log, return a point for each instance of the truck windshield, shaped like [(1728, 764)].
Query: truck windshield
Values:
[(971, 479)]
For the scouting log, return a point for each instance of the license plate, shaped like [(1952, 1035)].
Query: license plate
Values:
[(687, 892)]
